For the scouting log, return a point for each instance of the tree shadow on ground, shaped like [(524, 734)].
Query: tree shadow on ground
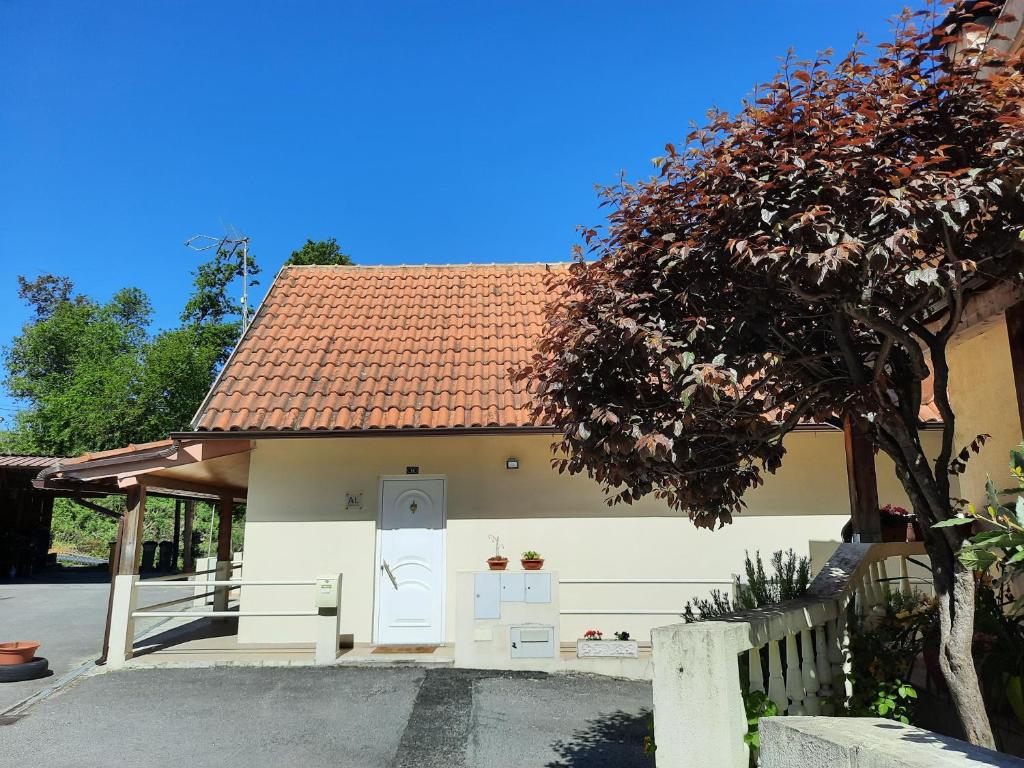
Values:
[(614, 740)]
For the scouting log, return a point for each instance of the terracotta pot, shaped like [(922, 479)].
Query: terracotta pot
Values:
[(18, 652), (901, 530), (497, 563), (532, 565)]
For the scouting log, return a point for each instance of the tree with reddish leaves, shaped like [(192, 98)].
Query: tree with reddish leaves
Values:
[(806, 259)]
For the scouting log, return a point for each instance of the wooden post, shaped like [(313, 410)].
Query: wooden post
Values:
[(115, 558), (190, 515), (131, 541), (122, 602), (1015, 333), (176, 545), (860, 471), (224, 509)]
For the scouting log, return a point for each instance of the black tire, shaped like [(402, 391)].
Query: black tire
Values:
[(13, 673)]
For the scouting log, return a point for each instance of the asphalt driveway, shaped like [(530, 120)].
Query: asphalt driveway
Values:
[(342, 717), (65, 609)]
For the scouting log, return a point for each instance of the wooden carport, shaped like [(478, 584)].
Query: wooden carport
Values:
[(214, 470)]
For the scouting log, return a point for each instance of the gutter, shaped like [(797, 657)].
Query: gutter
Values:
[(149, 453), (270, 434)]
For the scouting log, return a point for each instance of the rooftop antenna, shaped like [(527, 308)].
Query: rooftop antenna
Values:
[(229, 244)]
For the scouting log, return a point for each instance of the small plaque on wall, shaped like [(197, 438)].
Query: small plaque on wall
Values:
[(353, 501), (412, 470)]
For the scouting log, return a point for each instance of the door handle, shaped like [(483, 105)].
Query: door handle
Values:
[(387, 569)]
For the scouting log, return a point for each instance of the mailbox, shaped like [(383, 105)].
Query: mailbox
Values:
[(532, 641), (328, 588)]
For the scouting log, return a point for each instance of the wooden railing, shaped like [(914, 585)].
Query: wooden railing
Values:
[(699, 713)]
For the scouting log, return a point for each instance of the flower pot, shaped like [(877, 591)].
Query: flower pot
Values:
[(901, 530), (627, 649), (497, 563), (18, 652), (533, 565)]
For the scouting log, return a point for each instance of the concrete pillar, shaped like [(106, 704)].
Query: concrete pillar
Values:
[(328, 621), (699, 718), (122, 625)]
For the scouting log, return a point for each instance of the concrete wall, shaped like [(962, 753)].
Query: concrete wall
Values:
[(859, 742), (297, 526), (982, 393)]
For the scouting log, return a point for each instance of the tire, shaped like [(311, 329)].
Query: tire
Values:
[(13, 673)]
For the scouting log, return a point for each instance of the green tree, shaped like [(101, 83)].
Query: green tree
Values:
[(76, 365), (210, 303), (326, 252), (806, 259)]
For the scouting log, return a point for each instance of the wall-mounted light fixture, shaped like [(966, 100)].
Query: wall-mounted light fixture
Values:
[(511, 463)]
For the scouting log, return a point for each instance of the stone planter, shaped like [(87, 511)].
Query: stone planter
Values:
[(622, 649)]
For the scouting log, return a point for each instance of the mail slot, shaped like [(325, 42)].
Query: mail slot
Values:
[(532, 641)]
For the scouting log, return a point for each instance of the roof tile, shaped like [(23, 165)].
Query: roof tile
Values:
[(362, 348), (356, 348)]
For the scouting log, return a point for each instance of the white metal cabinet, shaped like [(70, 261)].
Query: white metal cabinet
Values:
[(487, 595), (538, 587), (513, 587)]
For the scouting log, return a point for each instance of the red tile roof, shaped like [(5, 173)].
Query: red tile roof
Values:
[(357, 348), (31, 462), (386, 348)]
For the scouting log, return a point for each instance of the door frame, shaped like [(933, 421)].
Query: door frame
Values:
[(378, 553)]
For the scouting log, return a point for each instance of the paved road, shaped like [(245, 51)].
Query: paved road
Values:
[(341, 717), (65, 610)]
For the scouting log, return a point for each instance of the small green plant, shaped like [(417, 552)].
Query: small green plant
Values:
[(790, 577), (1002, 543), (497, 548), (531, 555), (757, 705), (622, 635), (892, 700), (649, 747)]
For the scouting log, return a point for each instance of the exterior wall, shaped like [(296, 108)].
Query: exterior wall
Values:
[(297, 526), (982, 393)]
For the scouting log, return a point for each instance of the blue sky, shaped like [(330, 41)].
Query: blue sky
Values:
[(414, 132)]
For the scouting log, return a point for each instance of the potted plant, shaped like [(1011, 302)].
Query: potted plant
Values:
[(898, 524), (497, 562), (593, 645), (532, 561)]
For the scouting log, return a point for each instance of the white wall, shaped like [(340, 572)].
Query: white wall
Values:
[(297, 525)]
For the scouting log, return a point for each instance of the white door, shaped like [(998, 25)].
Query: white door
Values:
[(410, 562)]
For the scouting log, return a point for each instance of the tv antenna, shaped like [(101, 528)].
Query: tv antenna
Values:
[(229, 244)]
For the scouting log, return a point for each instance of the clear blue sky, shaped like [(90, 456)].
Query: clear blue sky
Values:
[(414, 132)]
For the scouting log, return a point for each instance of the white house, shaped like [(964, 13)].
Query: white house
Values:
[(368, 421)]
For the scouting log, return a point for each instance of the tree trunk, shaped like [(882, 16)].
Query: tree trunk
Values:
[(954, 584), (954, 588)]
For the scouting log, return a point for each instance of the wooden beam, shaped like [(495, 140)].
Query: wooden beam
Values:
[(190, 516), (224, 510), (1015, 333), (860, 472), (185, 486), (131, 539), (96, 507)]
